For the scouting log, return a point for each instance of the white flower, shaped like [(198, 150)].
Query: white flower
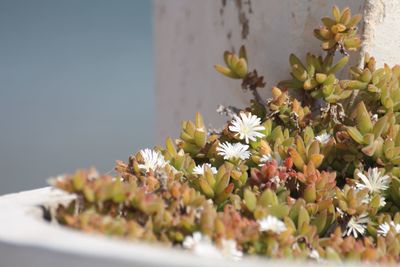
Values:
[(382, 202), (264, 159), (233, 151), (323, 138), (199, 169), (247, 127), (229, 250), (384, 228), (201, 246), (356, 225), (272, 224), (314, 255), (151, 160), (374, 181)]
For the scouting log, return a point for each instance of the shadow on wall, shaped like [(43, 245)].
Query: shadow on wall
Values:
[(191, 36), (75, 86)]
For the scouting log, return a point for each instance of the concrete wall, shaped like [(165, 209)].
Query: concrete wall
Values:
[(190, 37), (381, 34)]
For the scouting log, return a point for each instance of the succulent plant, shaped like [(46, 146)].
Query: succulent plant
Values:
[(236, 65), (193, 136), (379, 87), (340, 31), (311, 173), (317, 77)]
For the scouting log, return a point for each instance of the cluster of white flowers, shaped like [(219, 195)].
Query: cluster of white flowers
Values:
[(152, 160), (384, 228), (247, 127), (202, 246), (233, 151), (272, 224), (200, 169), (356, 225)]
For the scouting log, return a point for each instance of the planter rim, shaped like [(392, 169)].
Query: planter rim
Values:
[(22, 225)]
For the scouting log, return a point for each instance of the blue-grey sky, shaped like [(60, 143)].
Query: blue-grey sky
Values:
[(76, 86)]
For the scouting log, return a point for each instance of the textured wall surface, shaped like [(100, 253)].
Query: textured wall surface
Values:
[(381, 35), (190, 37)]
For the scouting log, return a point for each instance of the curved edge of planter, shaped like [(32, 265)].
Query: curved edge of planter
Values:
[(26, 239)]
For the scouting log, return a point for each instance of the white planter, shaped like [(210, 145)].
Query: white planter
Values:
[(26, 239)]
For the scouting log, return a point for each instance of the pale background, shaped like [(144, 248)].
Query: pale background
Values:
[(76, 86)]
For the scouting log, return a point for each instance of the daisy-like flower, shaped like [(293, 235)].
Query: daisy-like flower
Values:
[(264, 159), (357, 225), (323, 138), (151, 160), (201, 245), (233, 151), (199, 169), (229, 250), (373, 181), (247, 127), (384, 228), (272, 224)]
